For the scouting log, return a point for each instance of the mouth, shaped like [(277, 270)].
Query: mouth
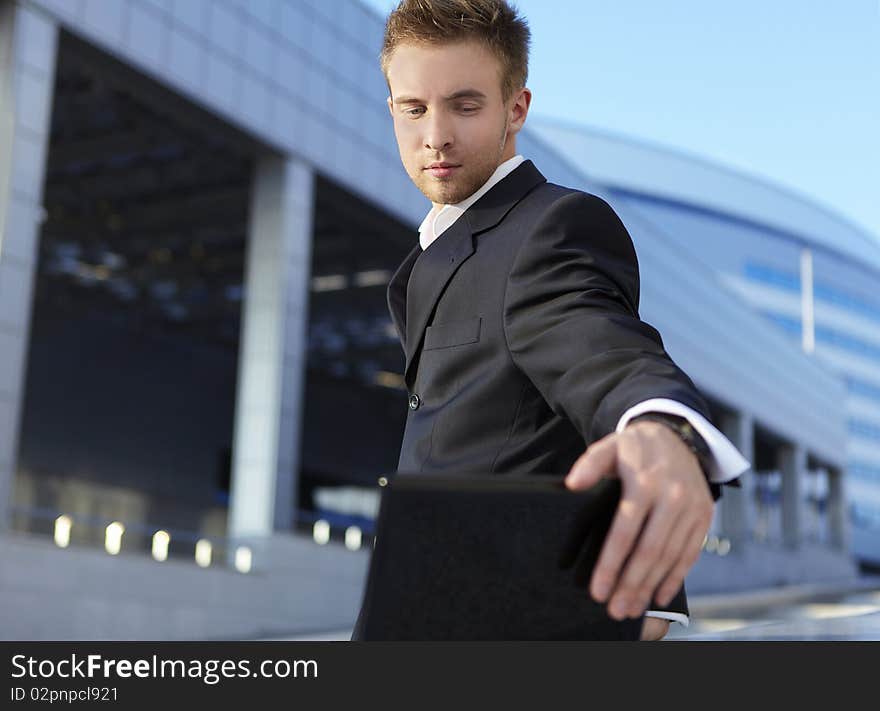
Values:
[(442, 170)]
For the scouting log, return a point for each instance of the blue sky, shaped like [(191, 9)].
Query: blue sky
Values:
[(786, 90)]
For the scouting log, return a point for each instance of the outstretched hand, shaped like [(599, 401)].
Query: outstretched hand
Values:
[(662, 518)]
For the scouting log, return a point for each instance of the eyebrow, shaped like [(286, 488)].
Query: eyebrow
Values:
[(461, 94)]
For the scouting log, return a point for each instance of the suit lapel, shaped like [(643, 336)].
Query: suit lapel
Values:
[(490, 209), (397, 293), (430, 274), (419, 282)]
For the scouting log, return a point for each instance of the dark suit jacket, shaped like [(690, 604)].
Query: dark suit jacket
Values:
[(522, 335)]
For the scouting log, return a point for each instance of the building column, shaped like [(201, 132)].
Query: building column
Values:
[(28, 49), (838, 521), (735, 503), (272, 352), (793, 465)]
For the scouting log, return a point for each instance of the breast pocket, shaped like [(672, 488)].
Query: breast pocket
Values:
[(452, 333)]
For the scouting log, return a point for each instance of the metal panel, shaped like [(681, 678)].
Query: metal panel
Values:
[(732, 352)]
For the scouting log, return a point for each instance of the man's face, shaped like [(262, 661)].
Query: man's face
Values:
[(447, 109)]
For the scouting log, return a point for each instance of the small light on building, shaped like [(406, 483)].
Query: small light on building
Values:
[(243, 559), (161, 539), (113, 537), (723, 546), (203, 553), (63, 525), (372, 277), (389, 380), (321, 531), (353, 538), (329, 282)]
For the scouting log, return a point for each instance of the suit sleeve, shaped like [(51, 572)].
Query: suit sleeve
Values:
[(572, 324)]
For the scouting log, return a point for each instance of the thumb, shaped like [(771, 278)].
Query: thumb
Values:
[(599, 459)]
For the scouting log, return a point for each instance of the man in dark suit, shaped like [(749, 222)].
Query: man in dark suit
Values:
[(518, 313)]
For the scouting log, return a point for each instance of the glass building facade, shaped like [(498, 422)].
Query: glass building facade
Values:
[(201, 203), (808, 273)]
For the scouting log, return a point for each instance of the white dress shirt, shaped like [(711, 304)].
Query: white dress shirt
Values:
[(726, 464)]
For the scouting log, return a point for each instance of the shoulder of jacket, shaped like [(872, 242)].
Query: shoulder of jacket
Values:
[(557, 204), (550, 195)]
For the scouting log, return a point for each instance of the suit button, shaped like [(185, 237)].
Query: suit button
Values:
[(414, 402)]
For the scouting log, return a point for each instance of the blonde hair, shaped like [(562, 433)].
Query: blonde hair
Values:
[(493, 22)]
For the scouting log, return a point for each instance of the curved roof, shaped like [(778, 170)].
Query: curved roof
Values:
[(620, 163)]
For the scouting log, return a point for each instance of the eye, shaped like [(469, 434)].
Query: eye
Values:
[(414, 112)]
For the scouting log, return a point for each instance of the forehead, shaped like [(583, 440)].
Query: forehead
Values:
[(428, 69)]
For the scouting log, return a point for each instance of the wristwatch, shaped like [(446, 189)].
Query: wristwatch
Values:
[(692, 439)]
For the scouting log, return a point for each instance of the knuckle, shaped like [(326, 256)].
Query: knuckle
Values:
[(638, 501), (675, 494), (627, 513)]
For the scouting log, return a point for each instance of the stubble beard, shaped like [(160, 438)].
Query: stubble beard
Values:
[(464, 182)]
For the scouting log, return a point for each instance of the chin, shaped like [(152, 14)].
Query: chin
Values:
[(449, 192), (438, 192)]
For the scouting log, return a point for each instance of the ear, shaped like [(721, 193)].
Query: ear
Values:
[(519, 109), (390, 106)]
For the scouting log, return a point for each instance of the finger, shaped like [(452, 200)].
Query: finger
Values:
[(675, 578), (672, 549), (645, 558), (599, 459), (654, 629), (628, 521), (673, 552)]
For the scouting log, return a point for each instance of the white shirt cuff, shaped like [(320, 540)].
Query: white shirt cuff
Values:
[(727, 463), (679, 617)]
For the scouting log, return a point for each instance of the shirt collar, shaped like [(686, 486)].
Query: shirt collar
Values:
[(437, 221)]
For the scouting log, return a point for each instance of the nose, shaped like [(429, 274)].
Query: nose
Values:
[(439, 134)]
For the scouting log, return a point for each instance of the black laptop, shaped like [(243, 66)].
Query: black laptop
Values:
[(488, 557)]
